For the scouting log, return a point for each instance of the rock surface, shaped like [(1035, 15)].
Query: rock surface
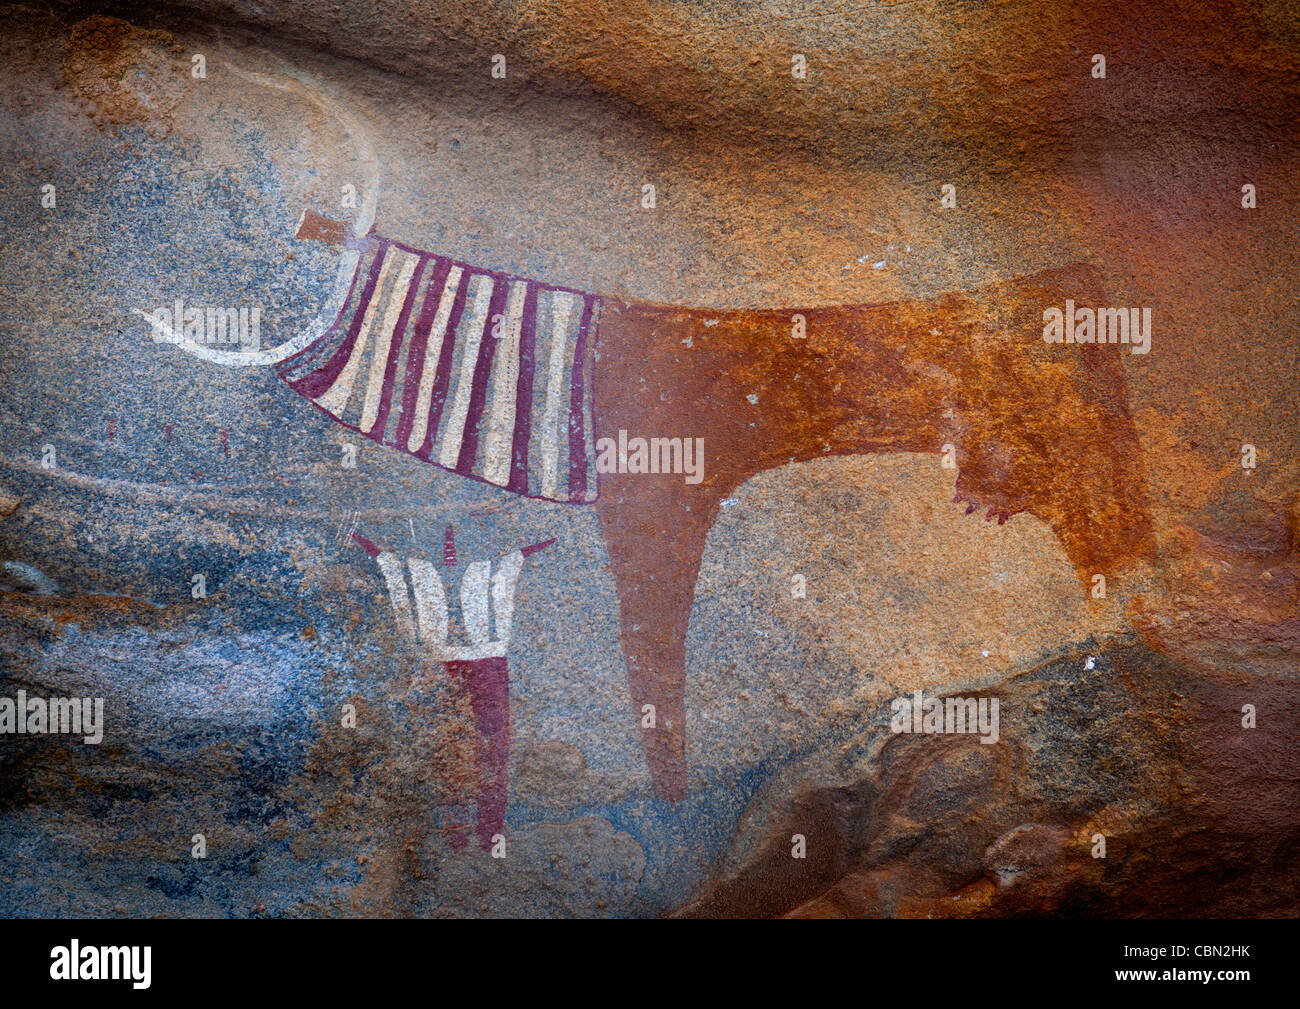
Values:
[(127, 468)]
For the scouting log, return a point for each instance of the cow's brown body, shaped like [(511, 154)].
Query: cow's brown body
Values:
[(1034, 427)]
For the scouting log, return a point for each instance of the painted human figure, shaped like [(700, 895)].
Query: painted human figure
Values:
[(494, 377), (473, 653)]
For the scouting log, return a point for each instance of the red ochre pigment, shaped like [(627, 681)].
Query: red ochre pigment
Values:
[(1034, 427)]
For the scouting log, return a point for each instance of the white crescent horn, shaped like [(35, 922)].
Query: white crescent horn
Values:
[(304, 87)]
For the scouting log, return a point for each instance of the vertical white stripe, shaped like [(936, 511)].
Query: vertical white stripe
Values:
[(384, 343), (588, 394), (430, 604), (474, 602), (432, 352), (505, 381), (455, 431), (335, 398), (504, 583), (391, 568), (561, 310)]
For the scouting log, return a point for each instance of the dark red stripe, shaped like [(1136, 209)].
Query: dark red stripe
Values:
[(317, 382), (366, 545), (395, 352), (524, 395), (419, 344), (442, 381), (482, 374), (307, 358), (534, 548), (295, 361), (577, 430)]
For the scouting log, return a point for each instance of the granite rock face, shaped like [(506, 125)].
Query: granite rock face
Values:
[(187, 540)]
